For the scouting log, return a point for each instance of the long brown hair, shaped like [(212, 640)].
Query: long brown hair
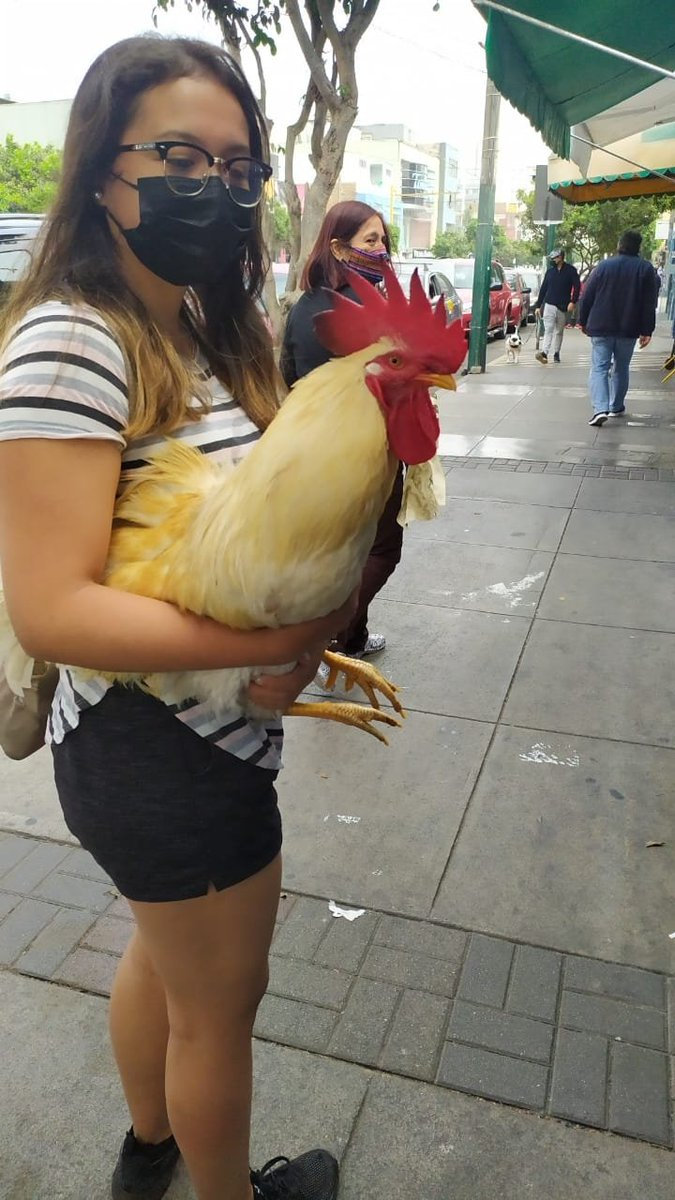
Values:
[(77, 259), (342, 221)]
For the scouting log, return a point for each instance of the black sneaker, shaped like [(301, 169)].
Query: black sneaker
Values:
[(598, 418), (556, 358), (313, 1176), (143, 1172), (541, 357)]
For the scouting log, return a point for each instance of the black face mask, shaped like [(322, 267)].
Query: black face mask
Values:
[(187, 239)]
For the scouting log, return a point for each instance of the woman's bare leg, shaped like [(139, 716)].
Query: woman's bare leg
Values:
[(139, 1031), (211, 955)]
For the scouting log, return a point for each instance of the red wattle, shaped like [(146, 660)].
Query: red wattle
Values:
[(413, 428)]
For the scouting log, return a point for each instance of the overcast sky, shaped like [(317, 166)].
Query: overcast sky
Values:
[(425, 71)]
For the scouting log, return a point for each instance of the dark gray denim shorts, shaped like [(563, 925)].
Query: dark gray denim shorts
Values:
[(161, 809)]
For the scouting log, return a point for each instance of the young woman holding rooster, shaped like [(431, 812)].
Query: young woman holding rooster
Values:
[(353, 235), (138, 319)]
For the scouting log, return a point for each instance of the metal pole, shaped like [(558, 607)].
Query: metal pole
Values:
[(480, 303)]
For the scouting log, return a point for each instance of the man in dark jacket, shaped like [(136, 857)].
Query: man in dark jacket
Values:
[(557, 297), (618, 307)]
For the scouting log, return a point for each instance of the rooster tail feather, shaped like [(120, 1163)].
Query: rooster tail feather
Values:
[(15, 664), (176, 470)]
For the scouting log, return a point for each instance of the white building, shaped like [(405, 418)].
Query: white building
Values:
[(413, 186), (42, 121)]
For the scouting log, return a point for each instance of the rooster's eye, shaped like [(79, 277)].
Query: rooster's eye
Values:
[(395, 360)]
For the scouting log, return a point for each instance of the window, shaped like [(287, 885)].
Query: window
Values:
[(497, 275), (376, 174)]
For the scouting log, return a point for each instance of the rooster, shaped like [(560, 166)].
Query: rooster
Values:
[(284, 536)]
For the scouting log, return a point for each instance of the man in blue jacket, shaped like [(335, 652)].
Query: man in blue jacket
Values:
[(557, 297), (618, 307)]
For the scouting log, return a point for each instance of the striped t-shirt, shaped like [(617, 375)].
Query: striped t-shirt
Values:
[(63, 375)]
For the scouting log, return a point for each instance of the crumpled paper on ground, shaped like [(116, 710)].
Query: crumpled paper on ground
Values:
[(423, 492), (350, 914)]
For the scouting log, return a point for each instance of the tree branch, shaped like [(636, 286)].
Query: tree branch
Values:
[(312, 58), (241, 25)]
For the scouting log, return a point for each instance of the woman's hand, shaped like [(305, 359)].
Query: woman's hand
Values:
[(276, 693)]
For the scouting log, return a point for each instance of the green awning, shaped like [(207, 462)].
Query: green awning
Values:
[(616, 187), (556, 82)]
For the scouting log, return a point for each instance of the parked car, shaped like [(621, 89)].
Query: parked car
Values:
[(532, 280), (520, 298), (18, 232), (436, 282), (460, 272)]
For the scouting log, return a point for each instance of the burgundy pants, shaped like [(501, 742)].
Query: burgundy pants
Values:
[(382, 561)]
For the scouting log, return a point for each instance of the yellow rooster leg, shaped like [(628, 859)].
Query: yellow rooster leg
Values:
[(358, 715), (355, 670)]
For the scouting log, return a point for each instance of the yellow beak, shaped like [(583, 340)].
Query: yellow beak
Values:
[(440, 381)]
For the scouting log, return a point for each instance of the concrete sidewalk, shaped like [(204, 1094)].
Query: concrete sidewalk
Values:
[(512, 849)]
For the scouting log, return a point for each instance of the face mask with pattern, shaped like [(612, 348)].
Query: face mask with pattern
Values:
[(368, 263)]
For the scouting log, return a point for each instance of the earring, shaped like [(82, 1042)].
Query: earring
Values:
[(98, 196)]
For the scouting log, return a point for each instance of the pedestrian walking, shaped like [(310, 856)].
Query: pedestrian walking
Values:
[(354, 235), (138, 319), (618, 308), (557, 300)]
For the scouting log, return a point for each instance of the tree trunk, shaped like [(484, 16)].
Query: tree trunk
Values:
[(323, 185)]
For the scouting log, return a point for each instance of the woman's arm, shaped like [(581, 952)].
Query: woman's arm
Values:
[(56, 507)]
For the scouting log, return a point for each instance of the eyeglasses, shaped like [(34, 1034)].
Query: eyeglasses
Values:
[(187, 168)]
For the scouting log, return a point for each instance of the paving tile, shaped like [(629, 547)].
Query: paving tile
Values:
[(629, 594), (286, 903), (535, 980), (483, 578), (579, 1080), (421, 937), (21, 926), (293, 1023), (12, 850), (80, 862), (484, 648), (493, 523), (90, 970), (610, 979), (54, 943), (620, 535), (298, 980), (365, 1022), (110, 934), (495, 1076), (120, 908), (72, 890), (25, 876), (8, 901), (486, 971), (639, 1095), (587, 661), (525, 489), (493, 1029), (346, 942), (414, 1043), (610, 496), (302, 931), (571, 816), (614, 1019), (376, 862), (406, 969)]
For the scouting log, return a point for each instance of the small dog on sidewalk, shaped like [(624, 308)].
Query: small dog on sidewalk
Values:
[(513, 345)]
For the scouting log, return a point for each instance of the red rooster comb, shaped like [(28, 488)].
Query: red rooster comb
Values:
[(423, 329)]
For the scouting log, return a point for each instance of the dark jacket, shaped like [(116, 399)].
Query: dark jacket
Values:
[(301, 350), (559, 287), (619, 299)]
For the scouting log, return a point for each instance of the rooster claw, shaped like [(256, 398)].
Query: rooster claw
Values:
[(357, 715), (369, 679)]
